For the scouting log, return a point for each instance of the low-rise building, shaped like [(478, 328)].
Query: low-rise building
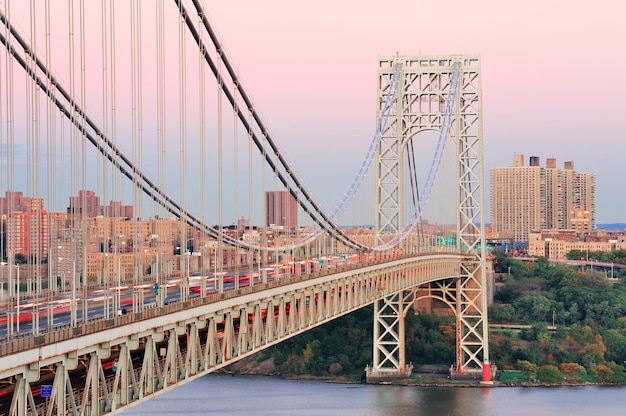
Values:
[(555, 244)]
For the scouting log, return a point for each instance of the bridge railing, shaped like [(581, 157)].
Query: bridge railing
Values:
[(58, 333)]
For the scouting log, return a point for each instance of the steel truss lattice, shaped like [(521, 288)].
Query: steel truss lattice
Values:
[(423, 88)]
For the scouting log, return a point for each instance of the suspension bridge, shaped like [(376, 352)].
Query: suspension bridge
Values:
[(212, 247)]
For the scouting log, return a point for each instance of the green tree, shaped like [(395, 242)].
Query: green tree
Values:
[(501, 313), (549, 373), (526, 366), (534, 333), (571, 371), (593, 353), (615, 345), (533, 308), (604, 373), (335, 369)]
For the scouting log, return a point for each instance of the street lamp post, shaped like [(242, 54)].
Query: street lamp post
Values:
[(108, 303), (119, 284), (13, 311), (10, 310), (73, 317), (215, 260), (4, 277), (184, 287), (158, 290), (17, 309)]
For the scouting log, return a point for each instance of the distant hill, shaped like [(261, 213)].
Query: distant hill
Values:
[(613, 226)]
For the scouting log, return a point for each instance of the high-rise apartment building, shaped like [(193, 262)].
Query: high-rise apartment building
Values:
[(27, 232), (532, 198), (86, 201), (14, 201), (117, 209), (281, 209)]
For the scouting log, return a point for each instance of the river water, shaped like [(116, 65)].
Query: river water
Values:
[(217, 394)]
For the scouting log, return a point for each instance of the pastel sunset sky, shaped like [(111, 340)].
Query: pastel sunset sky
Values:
[(552, 76)]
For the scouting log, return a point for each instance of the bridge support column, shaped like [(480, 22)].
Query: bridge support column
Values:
[(22, 397), (389, 359), (472, 331), (61, 387), (172, 359), (193, 355), (212, 350), (257, 326)]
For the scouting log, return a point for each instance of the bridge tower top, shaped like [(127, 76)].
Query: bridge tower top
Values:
[(419, 93)]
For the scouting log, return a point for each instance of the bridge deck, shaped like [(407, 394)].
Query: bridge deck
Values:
[(184, 340)]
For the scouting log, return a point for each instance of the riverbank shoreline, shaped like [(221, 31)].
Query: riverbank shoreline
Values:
[(419, 380), (429, 376)]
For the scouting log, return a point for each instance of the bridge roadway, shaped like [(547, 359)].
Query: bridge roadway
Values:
[(102, 366)]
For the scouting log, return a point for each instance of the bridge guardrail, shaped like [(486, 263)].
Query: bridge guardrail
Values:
[(64, 332)]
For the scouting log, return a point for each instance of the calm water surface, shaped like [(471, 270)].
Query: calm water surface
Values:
[(258, 395)]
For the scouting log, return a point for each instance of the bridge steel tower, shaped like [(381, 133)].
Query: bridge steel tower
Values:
[(441, 93)]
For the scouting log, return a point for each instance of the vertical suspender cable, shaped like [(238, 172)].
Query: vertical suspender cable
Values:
[(263, 224), (36, 148), (115, 163), (136, 149), (160, 114), (73, 156), (138, 205), (105, 123), (115, 177), (161, 91), (83, 94), (182, 131), (10, 141), (2, 152), (201, 114), (30, 141), (51, 163), (133, 94), (72, 110), (220, 196), (250, 188), (236, 173)]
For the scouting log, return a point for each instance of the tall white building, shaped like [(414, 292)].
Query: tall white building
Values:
[(532, 198)]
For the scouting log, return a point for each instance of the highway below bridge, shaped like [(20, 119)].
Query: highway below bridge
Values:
[(592, 265), (583, 264), (103, 366)]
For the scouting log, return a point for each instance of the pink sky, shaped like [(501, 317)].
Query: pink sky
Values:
[(552, 74)]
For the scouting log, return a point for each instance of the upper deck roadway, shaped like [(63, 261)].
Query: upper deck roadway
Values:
[(85, 367)]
